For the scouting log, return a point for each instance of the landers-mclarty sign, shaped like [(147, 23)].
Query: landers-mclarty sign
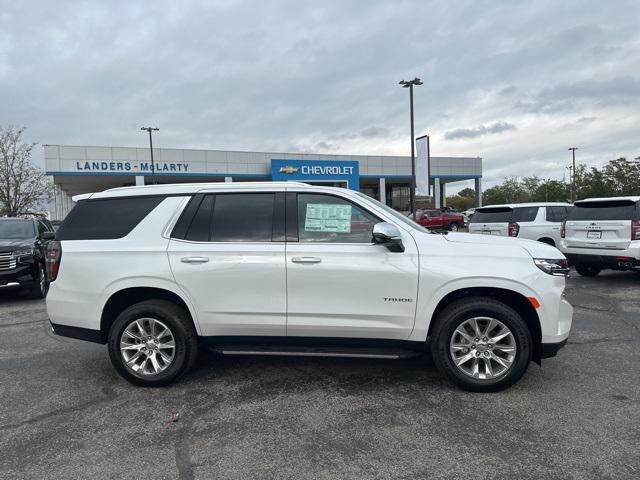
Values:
[(131, 167)]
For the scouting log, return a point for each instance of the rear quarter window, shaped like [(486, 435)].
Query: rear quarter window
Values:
[(607, 210), (106, 219), (492, 215), (525, 214)]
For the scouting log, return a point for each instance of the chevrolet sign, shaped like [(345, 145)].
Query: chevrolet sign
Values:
[(345, 172)]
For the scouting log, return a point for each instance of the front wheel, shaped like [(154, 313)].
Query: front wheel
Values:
[(40, 283), (153, 342), (481, 344), (454, 227), (588, 270)]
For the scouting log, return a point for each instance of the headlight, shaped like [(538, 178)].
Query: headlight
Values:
[(23, 252), (553, 266)]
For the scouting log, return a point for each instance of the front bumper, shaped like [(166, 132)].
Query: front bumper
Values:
[(19, 277)]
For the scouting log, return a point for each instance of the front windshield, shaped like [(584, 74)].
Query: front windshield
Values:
[(16, 229), (395, 214)]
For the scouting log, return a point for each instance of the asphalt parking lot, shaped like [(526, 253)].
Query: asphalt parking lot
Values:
[(66, 414)]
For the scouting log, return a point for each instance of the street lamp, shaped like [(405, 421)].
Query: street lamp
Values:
[(153, 165), (412, 192), (573, 176)]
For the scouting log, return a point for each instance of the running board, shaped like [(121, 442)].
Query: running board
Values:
[(315, 352)]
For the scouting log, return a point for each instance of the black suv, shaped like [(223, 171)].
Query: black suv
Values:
[(23, 244)]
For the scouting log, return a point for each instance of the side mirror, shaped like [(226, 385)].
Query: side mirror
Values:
[(46, 236), (389, 235)]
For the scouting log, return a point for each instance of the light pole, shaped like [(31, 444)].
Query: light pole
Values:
[(153, 165), (412, 192), (573, 174)]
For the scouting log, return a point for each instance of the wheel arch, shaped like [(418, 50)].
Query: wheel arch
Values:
[(513, 299), (126, 297), (548, 241)]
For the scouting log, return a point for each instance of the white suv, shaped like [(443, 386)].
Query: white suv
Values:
[(603, 233), (292, 269), (534, 221)]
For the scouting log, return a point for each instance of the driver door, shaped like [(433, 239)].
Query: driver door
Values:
[(340, 283)]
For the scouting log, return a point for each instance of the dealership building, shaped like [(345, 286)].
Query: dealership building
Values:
[(83, 169)]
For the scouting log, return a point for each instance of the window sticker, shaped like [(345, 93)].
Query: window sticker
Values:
[(325, 217)]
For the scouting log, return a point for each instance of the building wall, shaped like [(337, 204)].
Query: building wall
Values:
[(81, 169)]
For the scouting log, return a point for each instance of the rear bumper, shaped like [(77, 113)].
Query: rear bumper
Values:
[(79, 333), (600, 255), (607, 261), (549, 350)]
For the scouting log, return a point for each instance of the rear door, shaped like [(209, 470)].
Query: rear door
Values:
[(600, 224), (554, 218), (491, 221), (434, 219), (531, 220), (227, 253)]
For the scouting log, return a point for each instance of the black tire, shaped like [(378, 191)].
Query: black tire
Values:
[(40, 283), (454, 227), (588, 270), (182, 329), (455, 315)]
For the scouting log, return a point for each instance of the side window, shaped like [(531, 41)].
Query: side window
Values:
[(42, 228), (228, 217), (556, 214), (200, 226), (525, 214), (243, 217), (106, 219), (329, 219)]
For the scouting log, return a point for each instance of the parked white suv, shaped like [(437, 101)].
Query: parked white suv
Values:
[(534, 221), (292, 269), (603, 233)]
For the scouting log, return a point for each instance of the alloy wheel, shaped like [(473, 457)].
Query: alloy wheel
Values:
[(483, 348), (147, 346)]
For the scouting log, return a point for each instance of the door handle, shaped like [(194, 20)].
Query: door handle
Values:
[(194, 259), (306, 260)]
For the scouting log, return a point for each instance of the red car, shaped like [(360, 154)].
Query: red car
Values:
[(437, 220)]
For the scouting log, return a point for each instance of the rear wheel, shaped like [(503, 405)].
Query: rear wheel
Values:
[(152, 343), (481, 344), (588, 270), (454, 227)]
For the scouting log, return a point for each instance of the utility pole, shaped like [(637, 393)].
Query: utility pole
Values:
[(573, 174), (153, 165), (412, 192)]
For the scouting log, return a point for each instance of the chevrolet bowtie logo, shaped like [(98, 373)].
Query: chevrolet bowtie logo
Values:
[(289, 169)]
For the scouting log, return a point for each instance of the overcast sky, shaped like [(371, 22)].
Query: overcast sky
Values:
[(515, 83)]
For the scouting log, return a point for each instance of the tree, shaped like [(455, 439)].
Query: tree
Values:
[(551, 191), (467, 193), (23, 186)]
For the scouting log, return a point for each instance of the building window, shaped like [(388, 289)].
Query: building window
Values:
[(399, 197)]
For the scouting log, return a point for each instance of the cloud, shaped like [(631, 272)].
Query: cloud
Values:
[(491, 129), (569, 97), (283, 75)]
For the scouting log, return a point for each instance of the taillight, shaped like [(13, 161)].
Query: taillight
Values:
[(635, 230), (514, 229), (563, 230), (54, 254)]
